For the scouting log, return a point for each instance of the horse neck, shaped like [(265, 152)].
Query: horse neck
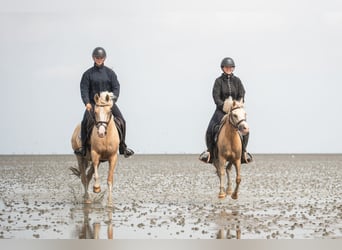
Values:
[(230, 130), (111, 128)]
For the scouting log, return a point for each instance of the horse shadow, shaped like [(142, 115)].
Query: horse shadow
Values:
[(89, 230)]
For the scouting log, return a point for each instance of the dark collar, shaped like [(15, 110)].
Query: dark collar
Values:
[(225, 76), (98, 67)]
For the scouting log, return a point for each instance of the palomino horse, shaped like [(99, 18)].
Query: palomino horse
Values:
[(229, 147), (104, 144)]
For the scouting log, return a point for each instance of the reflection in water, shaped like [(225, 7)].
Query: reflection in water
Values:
[(229, 233), (229, 224), (92, 230)]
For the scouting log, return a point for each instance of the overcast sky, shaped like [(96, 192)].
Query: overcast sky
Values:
[(167, 55)]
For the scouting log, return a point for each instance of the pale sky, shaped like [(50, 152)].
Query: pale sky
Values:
[(167, 56)]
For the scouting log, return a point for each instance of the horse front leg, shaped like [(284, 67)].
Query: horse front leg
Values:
[(110, 178), (219, 164), (96, 162), (238, 179), (229, 190)]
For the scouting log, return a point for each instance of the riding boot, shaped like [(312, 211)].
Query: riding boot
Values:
[(207, 156), (83, 150), (123, 149), (245, 156)]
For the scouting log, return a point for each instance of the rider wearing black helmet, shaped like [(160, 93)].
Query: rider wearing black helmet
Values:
[(97, 79), (227, 62), (99, 52), (227, 85)]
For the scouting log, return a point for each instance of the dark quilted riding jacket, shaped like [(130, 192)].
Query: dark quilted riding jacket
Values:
[(226, 86), (96, 80)]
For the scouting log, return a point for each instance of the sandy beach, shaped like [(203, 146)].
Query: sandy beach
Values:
[(172, 197)]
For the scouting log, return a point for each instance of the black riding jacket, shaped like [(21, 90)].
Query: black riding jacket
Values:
[(225, 86), (96, 80)]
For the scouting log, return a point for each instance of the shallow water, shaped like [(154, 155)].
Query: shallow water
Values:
[(172, 197)]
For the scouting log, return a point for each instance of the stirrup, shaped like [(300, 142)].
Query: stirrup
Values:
[(205, 157), (246, 158), (128, 152), (80, 151)]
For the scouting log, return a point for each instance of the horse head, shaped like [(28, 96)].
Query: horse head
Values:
[(237, 117), (103, 112)]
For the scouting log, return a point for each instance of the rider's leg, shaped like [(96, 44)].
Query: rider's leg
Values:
[(123, 149), (245, 157), (207, 156), (84, 125)]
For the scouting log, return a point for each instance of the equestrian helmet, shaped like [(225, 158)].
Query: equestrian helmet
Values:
[(99, 52), (227, 62)]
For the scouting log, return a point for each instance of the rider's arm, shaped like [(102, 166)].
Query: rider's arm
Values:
[(84, 86), (217, 94)]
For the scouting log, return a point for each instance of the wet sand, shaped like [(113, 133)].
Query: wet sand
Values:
[(173, 197)]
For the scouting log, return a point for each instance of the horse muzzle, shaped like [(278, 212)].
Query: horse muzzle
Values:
[(101, 131), (243, 128)]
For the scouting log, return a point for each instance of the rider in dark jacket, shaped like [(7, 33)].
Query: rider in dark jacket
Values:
[(227, 85), (95, 80)]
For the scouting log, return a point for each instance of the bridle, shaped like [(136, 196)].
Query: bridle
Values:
[(100, 123), (231, 121)]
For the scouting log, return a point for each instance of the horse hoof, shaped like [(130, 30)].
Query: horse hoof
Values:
[(234, 196), (222, 195), (97, 189), (229, 192), (87, 201)]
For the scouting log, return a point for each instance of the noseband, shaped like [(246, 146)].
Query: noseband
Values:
[(236, 126)]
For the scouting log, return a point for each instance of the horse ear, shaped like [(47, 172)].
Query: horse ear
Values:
[(96, 98), (107, 98)]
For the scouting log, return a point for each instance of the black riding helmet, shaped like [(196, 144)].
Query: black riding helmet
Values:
[(99, 52), (227, 62)]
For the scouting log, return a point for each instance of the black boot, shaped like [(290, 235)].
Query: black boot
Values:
[(245, 156), (121, 127), (205, 156), (82, 151), (124, 150), (86, 125), (208, 155), (128, 152)]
